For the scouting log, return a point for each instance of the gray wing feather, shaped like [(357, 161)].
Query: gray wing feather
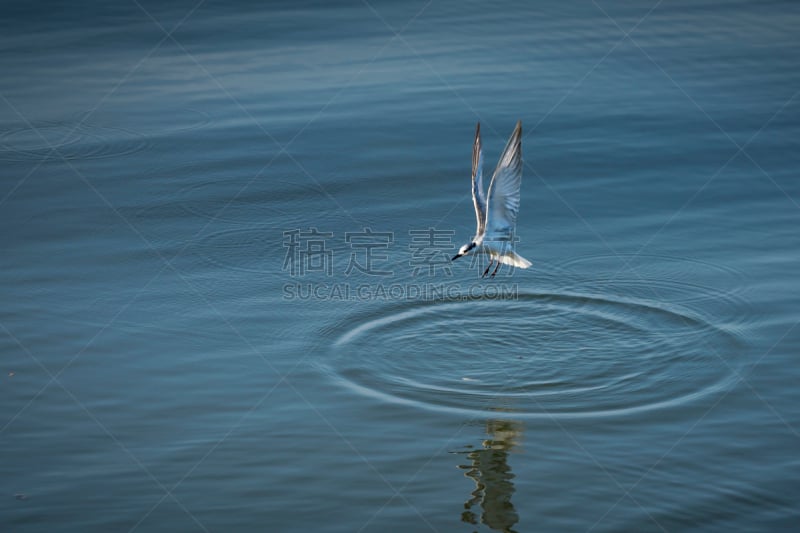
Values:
[(504, 188), (477, 182)]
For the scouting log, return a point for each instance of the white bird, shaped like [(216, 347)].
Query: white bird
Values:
[(497, 211)]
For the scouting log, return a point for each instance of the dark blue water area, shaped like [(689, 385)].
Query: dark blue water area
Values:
[(228, 300)]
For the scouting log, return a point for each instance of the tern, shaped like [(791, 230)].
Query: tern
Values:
[(497, 210)]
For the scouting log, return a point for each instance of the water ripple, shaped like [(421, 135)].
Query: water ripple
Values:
[(536, 354), (67, 140)]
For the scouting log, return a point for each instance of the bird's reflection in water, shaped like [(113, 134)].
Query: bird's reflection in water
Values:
[(490, 470)]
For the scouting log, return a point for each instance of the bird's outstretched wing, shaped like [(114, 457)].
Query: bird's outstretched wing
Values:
[(503, 196), (477, 182)]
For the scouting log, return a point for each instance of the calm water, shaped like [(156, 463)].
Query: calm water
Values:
[(225, 305)]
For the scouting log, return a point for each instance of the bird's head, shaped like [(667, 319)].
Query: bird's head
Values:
[(464, 250)]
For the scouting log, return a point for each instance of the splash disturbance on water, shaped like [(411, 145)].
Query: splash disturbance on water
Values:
[(537, 355)]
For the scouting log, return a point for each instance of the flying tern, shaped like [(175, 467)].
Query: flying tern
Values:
[(497, 210)]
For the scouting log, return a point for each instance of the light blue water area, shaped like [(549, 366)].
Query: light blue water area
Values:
[(228, 303)]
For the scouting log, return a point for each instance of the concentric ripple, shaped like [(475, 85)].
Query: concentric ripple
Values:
[(57, 140), (666, 278), (535, 355)]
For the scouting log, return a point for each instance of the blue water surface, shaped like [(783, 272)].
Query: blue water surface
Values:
[(228, 301)]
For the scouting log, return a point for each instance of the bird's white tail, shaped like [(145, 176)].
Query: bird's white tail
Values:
[(511, 258)]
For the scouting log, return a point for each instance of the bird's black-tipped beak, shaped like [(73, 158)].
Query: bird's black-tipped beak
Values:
[(456, 257)]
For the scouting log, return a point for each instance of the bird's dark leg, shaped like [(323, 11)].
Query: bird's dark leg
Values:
[(495, 269), (487, 268)]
